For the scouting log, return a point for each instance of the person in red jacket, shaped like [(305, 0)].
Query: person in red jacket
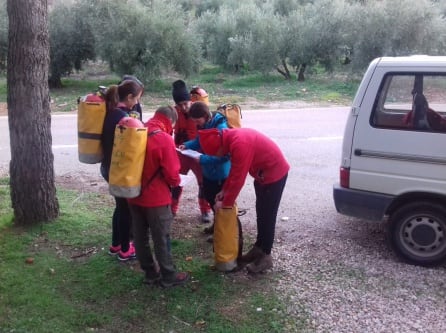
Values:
[(251, 152), (185, 130), (151, 211)]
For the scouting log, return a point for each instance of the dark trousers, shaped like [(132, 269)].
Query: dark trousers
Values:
[(210, 190), (121, 224), (268, 198), (153, 222), (121, 220)]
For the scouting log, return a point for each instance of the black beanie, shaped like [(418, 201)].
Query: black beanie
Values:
[(180, 92)]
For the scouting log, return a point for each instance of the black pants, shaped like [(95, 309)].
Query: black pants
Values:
[(210, 190), (121, 224), (268, 198), (121, 220)]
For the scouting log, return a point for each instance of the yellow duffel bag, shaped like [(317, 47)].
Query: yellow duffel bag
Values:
[(127, 161), (90, 120), (226, 238)]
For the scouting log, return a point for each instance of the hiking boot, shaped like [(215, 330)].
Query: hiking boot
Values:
[(151, 280), (260, 264), (114, 250), (129, 255), (206, 218), (179, 279), (252, 255), (209, 230)]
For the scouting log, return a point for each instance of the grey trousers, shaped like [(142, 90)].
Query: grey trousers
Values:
[(153, 222)]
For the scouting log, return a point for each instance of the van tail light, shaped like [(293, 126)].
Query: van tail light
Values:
[(344, 177)]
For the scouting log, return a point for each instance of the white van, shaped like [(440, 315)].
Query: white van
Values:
[(394, 155)]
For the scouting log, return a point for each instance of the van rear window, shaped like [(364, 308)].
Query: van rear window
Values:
[(411, 102)]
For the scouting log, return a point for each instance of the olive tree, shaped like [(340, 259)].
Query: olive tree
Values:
[(315, 34), (214, 29), (71, 40), (145, 39), (393, 28), (240, 34), (259, 46)]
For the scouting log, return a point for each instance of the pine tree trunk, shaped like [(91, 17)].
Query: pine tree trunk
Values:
[(33, 191)]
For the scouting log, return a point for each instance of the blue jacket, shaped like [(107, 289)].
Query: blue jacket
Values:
[(213, 167)]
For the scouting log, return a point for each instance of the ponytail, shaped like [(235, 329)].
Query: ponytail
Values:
[(111, 98)]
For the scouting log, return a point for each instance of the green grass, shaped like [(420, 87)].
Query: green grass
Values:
[(74, 286)]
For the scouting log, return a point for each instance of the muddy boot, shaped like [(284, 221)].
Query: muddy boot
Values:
[(261, 264), (249, 257)]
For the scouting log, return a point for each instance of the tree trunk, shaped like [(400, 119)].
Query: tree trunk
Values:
[(33, 191), (55, 81), (300, 75)]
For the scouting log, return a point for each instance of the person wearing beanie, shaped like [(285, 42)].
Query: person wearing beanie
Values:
[(186, 129), (215, 169), (251, 152), (151, 212)]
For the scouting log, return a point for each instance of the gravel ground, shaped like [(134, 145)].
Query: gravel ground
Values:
[(343, 278)]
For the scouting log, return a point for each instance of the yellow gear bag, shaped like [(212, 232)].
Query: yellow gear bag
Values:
[(127, 162), (90, 120), (226, 239), (233, 114)]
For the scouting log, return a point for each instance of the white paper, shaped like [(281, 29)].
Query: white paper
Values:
[(185, 179), (190, 153)]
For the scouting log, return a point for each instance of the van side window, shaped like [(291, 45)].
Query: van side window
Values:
[(411, 102)]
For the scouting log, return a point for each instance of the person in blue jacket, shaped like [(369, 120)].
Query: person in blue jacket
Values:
[(215, 169)]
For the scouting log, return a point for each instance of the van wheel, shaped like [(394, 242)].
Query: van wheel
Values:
[(417, 233)]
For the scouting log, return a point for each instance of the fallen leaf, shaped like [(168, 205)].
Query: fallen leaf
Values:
[(200, 322), (29, 260)]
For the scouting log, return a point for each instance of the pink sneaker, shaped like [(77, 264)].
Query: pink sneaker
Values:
[(114, 250), (129, 255)]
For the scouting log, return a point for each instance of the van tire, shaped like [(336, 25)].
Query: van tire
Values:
[(417, 233)]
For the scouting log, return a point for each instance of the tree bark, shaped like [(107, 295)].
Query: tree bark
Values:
[(33, 190), (300, 74), (285, 71)]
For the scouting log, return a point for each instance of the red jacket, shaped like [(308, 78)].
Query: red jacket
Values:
[(250, 152), (185, 128), (161, 165)]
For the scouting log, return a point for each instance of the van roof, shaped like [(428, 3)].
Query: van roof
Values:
[(414, 60)]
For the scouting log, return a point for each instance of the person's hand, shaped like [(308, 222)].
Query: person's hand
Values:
[(218, 205), (219, 196), (181, 147)]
